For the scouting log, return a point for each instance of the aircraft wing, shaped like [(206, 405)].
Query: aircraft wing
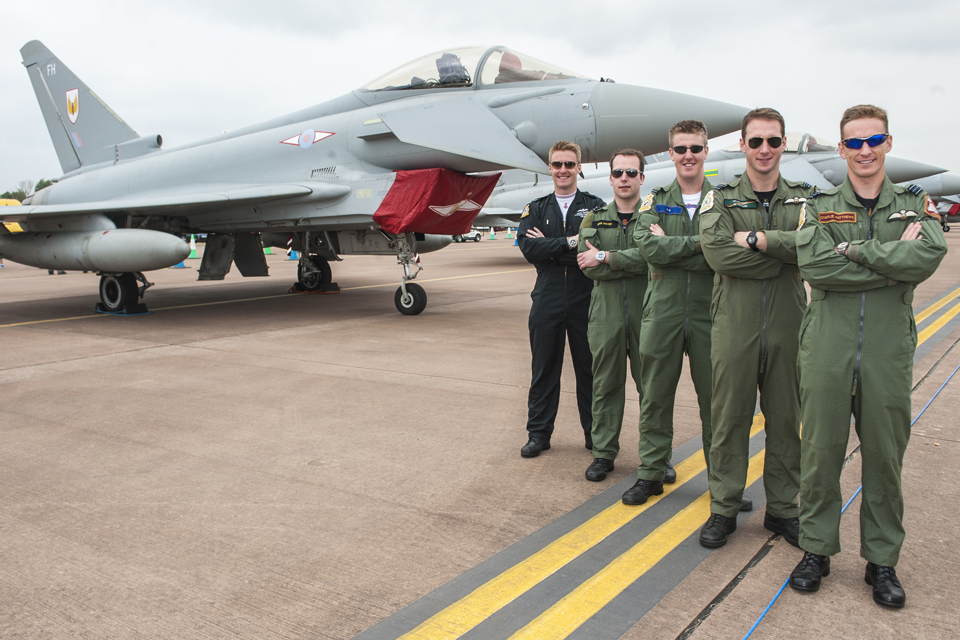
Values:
[(212, 199), (802, 171), (439, 125), (495, 216)]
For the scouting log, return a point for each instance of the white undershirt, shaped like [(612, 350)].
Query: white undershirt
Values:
[(691, 201), (565, 202)]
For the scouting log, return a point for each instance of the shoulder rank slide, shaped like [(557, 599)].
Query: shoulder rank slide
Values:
[(914, 189)]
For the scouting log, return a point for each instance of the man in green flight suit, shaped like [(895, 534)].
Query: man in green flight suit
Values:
[(863, 247), (609, 257), (676, 312), (748, 235)]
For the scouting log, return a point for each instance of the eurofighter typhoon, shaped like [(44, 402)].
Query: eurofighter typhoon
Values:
[(392, 168)]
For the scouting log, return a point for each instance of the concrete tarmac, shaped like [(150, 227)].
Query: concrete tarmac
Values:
[(248, 463)]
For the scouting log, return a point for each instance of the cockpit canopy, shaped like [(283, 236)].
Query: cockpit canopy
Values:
[(462, 67), (799, 142)]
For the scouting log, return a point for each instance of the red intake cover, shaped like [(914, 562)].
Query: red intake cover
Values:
[(436, 201)]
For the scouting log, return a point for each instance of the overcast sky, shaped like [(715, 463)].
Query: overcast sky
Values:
[(191, 69)]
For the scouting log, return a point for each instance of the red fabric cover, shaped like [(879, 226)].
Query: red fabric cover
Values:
[(436, 201)]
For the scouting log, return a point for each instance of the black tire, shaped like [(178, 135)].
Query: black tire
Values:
[(312, 280), (416, 300), (476, 238), (946, 227), (118, 292)]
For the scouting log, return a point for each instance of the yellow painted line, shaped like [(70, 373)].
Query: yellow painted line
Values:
[(926, 313), (474, 608), (564, 617), (281, 295), (936, 326)]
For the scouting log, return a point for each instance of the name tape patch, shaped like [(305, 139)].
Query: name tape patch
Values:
[(837, 216)]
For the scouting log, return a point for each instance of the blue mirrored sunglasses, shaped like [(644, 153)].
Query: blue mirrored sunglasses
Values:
[(872, 141)]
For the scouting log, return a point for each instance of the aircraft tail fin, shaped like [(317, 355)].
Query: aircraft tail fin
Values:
[(83, 128)]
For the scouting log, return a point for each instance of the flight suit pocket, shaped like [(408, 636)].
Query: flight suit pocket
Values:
[(715, 304)]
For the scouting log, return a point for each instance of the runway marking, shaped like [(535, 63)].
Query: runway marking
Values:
[(926, 313), (280, 295), (936, 326), (474, 608), (567, 615)]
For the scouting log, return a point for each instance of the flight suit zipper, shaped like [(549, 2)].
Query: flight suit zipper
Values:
[(863, 308), (626, 309), (763, 303)]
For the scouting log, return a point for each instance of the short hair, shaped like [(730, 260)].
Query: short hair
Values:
[(862, 111), (628, 152), (694, 127), (762, 113), (564, 145)]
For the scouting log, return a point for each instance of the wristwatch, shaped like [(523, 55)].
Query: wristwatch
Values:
[(601, 256), (842, 248), (572, 242), (752, 240)]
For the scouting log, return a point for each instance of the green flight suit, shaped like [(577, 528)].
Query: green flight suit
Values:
[(613, 330), (676, 319), (758, 302), (857, 344)]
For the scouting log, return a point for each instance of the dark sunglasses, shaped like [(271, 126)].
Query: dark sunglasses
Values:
[(872, 141), (631, 173), (773, 141), (569, 164), (697, 148)]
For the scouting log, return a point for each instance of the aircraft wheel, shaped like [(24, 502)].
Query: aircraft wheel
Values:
[(946, 227), (312, 280), (414, 302), (118, 291)]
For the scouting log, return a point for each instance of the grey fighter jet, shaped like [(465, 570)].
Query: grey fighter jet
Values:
[(394, 167)]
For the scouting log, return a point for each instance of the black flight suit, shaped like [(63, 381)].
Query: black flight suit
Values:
[(561, 303)]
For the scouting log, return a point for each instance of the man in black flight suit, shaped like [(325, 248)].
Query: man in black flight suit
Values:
[(548, 235)]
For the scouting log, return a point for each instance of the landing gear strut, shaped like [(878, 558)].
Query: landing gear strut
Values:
[(410, 298), (120, 293)]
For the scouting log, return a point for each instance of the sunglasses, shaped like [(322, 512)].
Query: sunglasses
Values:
[(773, 141), (631, 173), (569, 164), (872, 141), (697, 148)]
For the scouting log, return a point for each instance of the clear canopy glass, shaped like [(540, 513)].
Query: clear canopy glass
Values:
[(452, 68), (506, 65)]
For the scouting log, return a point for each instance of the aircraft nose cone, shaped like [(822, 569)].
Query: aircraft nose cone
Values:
[(903, 170), (639, 117)]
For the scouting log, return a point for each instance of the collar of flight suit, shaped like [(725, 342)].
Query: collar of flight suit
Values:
[(850, 196)]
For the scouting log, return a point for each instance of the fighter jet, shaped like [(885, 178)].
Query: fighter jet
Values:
[(393, 167), (807, 158)]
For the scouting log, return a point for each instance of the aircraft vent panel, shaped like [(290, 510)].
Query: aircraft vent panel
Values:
[(324, 173)]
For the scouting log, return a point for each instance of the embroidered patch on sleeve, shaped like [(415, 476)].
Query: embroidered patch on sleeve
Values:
[(836, 216), (526, 211), (707, 203), (931, 209), (647, 203)]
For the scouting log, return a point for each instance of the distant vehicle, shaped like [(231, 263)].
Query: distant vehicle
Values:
[(467, 237)]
